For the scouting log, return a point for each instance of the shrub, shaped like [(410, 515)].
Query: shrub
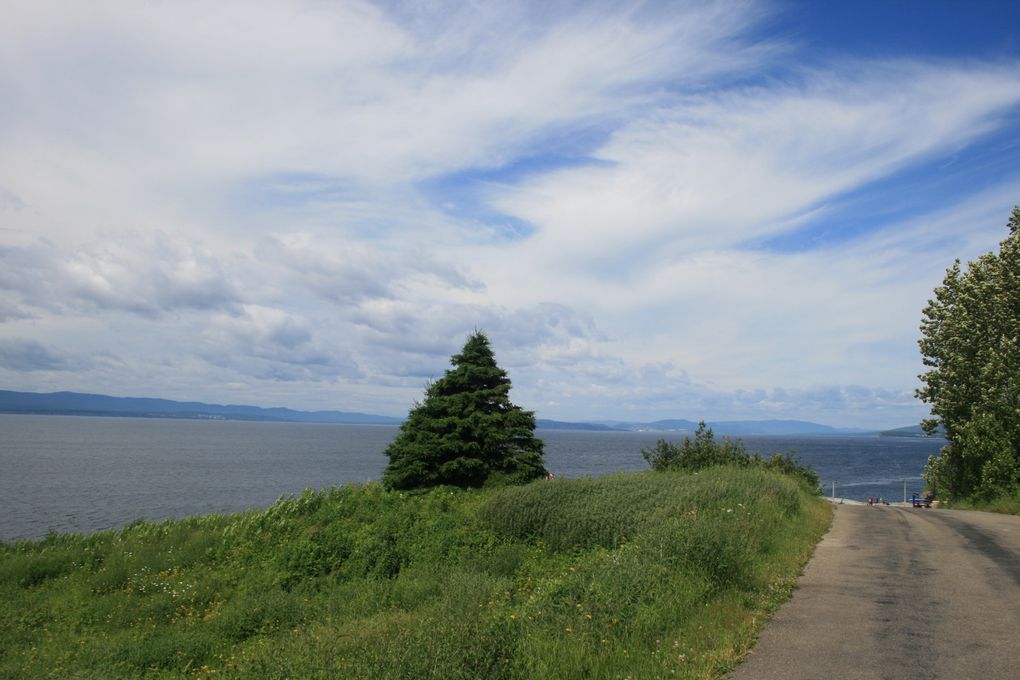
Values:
[(704, 452), (697, 454), (788, 464)]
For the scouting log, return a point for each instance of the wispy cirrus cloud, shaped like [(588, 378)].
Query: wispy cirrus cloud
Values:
[(741, 164), (668, 210)]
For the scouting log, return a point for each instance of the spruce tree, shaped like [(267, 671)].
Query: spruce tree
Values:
[(466, 432)]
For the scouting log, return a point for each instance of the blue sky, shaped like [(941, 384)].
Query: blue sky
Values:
[(725, 210)]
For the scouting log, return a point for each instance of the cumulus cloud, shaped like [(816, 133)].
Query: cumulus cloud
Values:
[(347, 272), (270, 343), (148, 277), (10, 311), (21, 354), (529, 334)]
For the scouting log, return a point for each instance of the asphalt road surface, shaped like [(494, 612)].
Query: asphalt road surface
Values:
[(901, 593)]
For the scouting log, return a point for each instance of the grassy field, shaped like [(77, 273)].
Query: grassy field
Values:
[(1007, 504), (642, 575)]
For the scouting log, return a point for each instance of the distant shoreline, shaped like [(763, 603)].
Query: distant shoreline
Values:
[(99, 405), (179, 416)]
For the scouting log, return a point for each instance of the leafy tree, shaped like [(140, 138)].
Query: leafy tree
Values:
[(466, 432), (971, 344)]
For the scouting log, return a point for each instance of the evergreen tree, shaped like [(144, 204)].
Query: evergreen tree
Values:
[(971, 344), (466, 432)]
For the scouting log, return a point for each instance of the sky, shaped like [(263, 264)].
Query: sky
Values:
[(718, 210)]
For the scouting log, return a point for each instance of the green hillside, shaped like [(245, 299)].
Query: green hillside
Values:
[(640, 575)]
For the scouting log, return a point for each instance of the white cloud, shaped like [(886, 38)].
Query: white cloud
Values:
[(150, 276), (347, 271), (269, 343), (20, 354), (175, 103), (719, 169), (230, 196)]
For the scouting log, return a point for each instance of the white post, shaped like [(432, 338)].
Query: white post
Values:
[(904, 491), (834, 489)]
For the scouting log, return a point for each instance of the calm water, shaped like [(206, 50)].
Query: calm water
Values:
[(66, 473)]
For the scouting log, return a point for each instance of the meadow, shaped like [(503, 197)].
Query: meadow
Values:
[(640, 575)]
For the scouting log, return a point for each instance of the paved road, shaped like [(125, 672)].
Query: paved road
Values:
[(901, 593)]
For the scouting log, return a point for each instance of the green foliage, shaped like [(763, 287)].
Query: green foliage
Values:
[(648, 575), (1007, 503), (697, 454), (789, 464), (714, 523), (971, 346), (704, 452), (466, 432)]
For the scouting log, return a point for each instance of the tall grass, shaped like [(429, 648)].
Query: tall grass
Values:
[(641, 575), (1007, 503)]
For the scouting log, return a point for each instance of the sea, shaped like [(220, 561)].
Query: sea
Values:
[(84, 474)]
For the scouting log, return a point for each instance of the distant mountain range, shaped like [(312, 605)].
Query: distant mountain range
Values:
[(76, 403)]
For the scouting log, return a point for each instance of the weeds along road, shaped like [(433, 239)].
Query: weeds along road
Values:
[(901, 593)]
